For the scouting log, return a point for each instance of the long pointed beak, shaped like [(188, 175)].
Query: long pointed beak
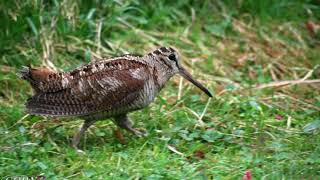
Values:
[(184, 73)]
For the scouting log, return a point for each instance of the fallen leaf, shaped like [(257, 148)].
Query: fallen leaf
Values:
[(272, 52), (38, 126), (119, 136), (247, 175), (56, 121), (279, 117), (242, 59), (313, 28), (173, 149), (199, 154)]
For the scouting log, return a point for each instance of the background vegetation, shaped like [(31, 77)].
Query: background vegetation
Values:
[(260, 58)]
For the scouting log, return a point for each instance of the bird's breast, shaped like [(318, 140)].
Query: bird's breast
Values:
[(148, 94)]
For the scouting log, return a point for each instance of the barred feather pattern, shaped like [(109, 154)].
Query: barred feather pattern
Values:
[(100, 89)]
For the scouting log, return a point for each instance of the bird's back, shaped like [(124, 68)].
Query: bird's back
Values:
[(102, 88)]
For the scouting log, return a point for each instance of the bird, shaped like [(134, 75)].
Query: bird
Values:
[(107, 88)]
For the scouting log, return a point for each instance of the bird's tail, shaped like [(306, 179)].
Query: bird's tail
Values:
[(25, 74)]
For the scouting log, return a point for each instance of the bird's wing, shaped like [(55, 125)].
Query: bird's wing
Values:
[(43, 79), (100, 86)]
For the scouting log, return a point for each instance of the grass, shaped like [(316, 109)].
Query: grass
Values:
[(231, 46)]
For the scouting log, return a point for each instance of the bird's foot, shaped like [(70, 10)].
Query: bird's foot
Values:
[(81, 152), (123, 121), (139, 133), (119, 136)]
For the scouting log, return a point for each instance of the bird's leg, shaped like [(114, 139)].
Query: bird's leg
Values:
[(123, 121), (77, 137)]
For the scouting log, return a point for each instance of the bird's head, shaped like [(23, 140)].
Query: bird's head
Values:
[(169, 57)]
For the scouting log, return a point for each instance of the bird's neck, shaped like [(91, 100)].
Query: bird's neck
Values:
[(161, 73)]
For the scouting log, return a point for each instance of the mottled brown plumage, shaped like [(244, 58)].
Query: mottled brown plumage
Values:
[(103, 89)]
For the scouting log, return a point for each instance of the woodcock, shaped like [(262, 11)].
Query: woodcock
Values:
[(107, 88)]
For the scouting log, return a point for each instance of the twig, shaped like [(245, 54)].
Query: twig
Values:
[(289, 122), (302, 102), (20, 120), (193, 112), (286, 83), (291, 82), (173, 149), (201, 123), (98, 40), (280, 96), (180, 88), (139, 31)]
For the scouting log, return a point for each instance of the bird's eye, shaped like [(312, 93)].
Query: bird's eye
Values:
[(172, 57)]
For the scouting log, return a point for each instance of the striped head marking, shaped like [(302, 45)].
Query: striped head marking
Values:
[(169, 57)]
